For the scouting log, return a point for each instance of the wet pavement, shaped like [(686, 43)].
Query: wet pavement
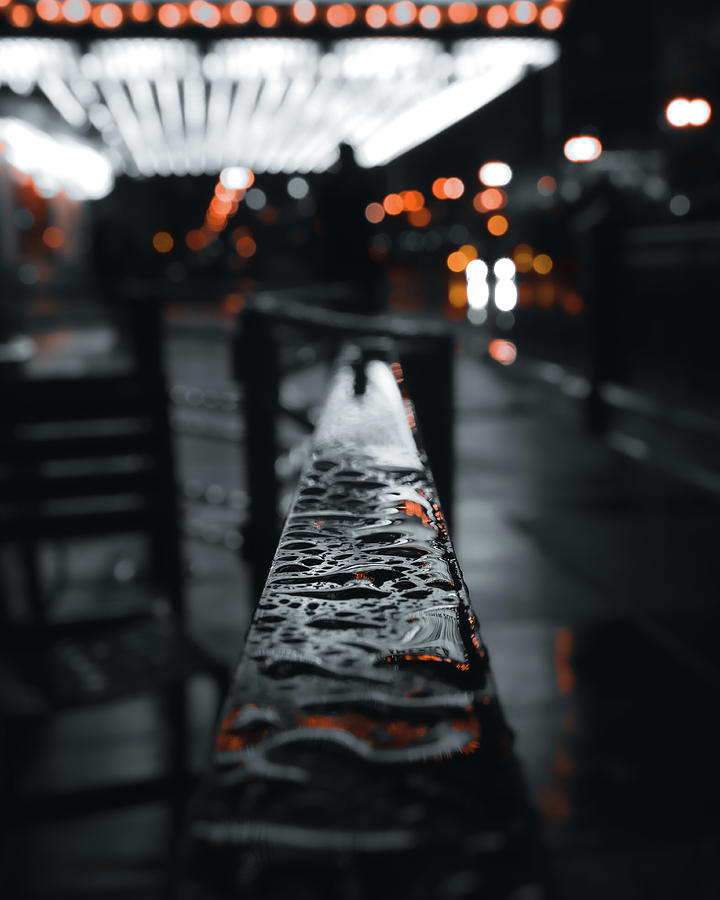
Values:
[(594, 579)]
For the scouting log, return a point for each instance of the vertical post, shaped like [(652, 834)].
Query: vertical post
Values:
[(256, 363), (428, 363)]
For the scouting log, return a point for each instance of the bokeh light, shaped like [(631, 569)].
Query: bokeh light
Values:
[(462, 13), (402, 13), (453, 188), (238, 12), (495, 174), (430, 17), (523, 12), (503, 352), (374, 213), (141, 11), (304, 11), (551, 18), (583, 148), (340, 14), (376, 16), (48, 10), (393, 204), (497, 225), (163, 242), (53, 237), (542, 264), (266, 16), (546, 185), (497, 16), (489, 199)]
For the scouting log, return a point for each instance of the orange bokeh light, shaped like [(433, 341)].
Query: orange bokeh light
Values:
[(245, 247), (76, 10), (542, 264), (457, 261), (523, 257), (497, 225), (412, 200), (170, 15), (523, 12), (220, 207), (196, 239), (419, 218), (340, 14), (233, 303), (266, 16), (374, 213), (490, 198), (376, 16), (497, 16), (403, 13), (163, 241), (430, 17), (304, 11), (48, 10), (551, 18), (141, 11), (109, 15), (503, 352), (53, 237), (547, 185), (453, 188), (462, 13), (204, 13), (238, 12), (438, 188), (393, 204), (21, 16)]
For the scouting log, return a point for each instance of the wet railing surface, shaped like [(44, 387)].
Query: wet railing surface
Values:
[(362, 750)]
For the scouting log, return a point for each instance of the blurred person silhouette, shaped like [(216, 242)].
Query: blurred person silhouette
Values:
[(343, 196)]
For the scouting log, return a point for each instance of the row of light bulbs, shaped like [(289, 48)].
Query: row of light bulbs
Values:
[(549, 15)]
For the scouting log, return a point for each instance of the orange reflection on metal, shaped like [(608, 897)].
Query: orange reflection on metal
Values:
[(393, 734), (413, 508), (564, 645), (227, 742)]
